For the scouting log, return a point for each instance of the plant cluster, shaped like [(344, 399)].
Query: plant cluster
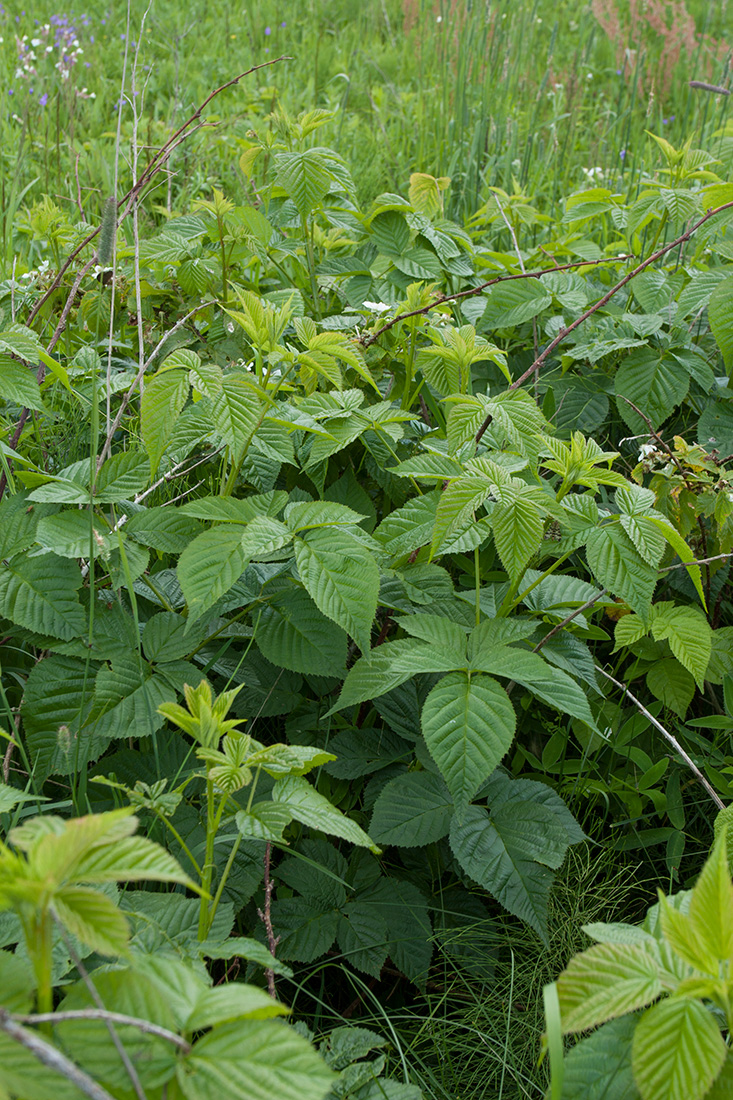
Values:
[(375, 561)]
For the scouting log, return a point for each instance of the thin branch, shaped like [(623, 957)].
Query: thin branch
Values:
[(367, 341), (94, 994), (606, 298), (573, 614), (669, 737), (266, 918), (113, 1017), (147, 174), (175, 471), (49, 1056), (136, 381), (697, 561)]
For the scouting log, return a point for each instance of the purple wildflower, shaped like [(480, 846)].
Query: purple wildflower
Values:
[(268, 30), (43, 100)]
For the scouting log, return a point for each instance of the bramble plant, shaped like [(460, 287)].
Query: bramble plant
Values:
[(375, 553), (678, 962)]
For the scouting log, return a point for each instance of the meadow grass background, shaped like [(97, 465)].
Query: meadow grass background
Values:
[(547, 97)]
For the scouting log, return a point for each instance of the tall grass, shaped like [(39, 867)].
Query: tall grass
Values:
[(487, 93)]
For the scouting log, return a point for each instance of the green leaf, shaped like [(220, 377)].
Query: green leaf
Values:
[(723, 1087), (311, 808), (605, 981), (160, 406), (41, 595), (254, 1060), (599, 1066), (236, 412), (518, 528), (292, 633), (93, 918), (468, 723), (720, 315), (131, 859), (388, 666), (677, 1051), (18, 384), (412, 810), (209, 566), (550, 684), (342, 577), (512, 303), (121, 477), (655, 382), (306, 177), (127, 694), (264, 821), (617, 566), (232, 1001), (405, 912), (689, 635), (711, 906), (495, 853), (363, 937), (672, 684)]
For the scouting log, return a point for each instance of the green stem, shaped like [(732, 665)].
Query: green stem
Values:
[(548, 572), (232, 854), (40, 951), (208, 870), (311, 267), (478, 584), (169, 825)]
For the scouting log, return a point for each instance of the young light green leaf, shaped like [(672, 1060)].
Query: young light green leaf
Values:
[(311, 808), (605, 981), (677, 1051)]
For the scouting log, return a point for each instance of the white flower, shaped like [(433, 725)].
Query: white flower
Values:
[(376, 307), (645, 450), (589, 76), (593, 173), (439, 19)]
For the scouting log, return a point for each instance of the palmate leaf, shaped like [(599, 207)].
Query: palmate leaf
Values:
[(550, 684), (237, 411), (127, 694), (468, 723), (342, 578), (93, 918), (618, 567), (363, 936), (131, 859), (721, 322), (305, 176), (689, 635), (518, 528), (385, 668), (655, 382), (254, 1060), (121, 477), (605, 981), (677, 1051), (18, 384), (232, 1001)]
